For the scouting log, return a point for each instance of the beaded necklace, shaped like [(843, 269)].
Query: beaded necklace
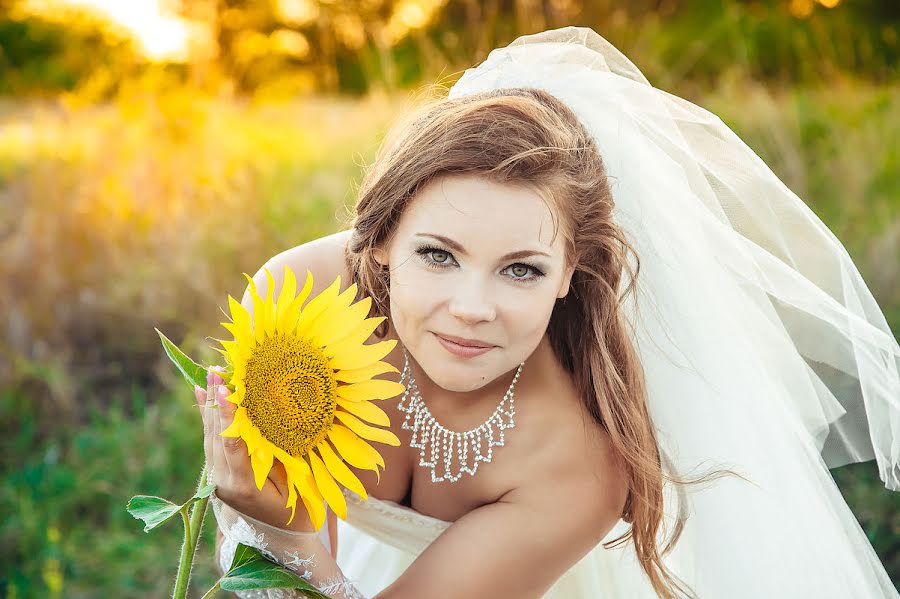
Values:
[(428, 432)]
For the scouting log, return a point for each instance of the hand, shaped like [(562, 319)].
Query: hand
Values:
[(228, 461)]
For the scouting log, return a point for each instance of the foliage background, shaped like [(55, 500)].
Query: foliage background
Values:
[(138, 180)]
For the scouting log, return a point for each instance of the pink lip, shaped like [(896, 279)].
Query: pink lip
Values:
[(466, 342), (465, 351)]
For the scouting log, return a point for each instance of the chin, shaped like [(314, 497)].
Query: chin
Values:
[(450, 373), (459, 378)]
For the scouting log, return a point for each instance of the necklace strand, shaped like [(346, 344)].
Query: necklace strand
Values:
[(428, 432)]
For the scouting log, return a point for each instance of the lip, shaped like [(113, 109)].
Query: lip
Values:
[(477, 343), (463, 351)]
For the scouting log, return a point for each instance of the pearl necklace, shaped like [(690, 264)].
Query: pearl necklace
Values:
[(428, 431)]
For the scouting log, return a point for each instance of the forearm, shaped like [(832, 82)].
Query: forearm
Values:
[(301, 552)]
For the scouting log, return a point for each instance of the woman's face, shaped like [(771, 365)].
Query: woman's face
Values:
[(477, 260)]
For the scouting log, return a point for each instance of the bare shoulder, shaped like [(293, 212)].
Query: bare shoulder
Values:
[(523, 543), (579, 471), (323, 257)]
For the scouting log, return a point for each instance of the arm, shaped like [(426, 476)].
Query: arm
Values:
[(304, 553), (516, 547)]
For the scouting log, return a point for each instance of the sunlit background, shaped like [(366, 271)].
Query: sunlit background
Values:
[(151, 151)]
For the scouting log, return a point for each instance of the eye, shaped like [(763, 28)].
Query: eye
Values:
[(520, 272), (435, 257)]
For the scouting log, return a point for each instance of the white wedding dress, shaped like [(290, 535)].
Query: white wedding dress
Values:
[(380, 539)]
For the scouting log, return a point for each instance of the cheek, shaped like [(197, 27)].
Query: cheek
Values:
[(412, 297), (527, 316)]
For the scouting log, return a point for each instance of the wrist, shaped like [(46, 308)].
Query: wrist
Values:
[(300, 525)]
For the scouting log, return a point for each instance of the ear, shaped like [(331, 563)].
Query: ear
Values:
[(380, 256), (566, 282)]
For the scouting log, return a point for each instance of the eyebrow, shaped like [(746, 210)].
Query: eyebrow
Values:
[(458, 248)]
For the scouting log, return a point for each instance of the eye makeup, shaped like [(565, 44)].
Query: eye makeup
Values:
[(425, 253)]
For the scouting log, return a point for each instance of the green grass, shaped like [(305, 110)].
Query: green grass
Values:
[(78, 484)]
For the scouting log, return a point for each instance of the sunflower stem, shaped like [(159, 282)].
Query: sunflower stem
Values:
[(213, 590), (198, 514), (192, 528)]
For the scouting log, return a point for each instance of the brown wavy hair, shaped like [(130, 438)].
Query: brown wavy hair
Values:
[(525, 136)]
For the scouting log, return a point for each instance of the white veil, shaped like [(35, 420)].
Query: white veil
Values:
[(763, 349)]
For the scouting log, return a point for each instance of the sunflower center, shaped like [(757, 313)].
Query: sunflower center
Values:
[(290, 393)]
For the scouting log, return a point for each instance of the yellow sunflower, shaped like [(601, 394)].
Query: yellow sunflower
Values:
[(301, 378)]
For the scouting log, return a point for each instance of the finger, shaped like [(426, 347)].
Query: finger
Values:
[(214, 383), (233, 449), (213, 375), (200, 395), (278, 476), (215, 457)]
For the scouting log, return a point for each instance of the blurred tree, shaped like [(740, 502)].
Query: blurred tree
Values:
[(41, 55), (357, 46)]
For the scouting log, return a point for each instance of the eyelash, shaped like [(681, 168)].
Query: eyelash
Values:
[(427, 249)]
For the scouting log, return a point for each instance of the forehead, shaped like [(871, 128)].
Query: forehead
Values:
[(475, 210)]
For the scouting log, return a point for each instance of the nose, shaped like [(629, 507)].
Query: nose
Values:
[(473, 303)]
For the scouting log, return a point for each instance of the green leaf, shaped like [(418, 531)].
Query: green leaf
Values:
[(156, 510), (252, 570), (204, 492), (152, 510), (193, 373), (242, 555)]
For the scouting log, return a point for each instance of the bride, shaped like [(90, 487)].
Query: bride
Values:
[(668, 349)]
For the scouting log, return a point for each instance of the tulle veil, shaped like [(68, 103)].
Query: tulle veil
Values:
[(764, 350)]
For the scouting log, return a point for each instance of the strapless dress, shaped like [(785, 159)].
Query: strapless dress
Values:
[(381, 538)]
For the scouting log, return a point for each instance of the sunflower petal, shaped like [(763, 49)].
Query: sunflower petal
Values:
[(259, 331), (359, 356), (367, 432), (354, 450), (327, 486), (311, 496), (340, 471), (261, 462), (242, 336), (370, 390), (366, 410), (307, 287), (358, 375), (292, 497), (239, 314), (285, 297), (240, 421), (340, 318), (268, 319), (254, 439), (316, 511), (297, 474), (292, 313), (316, 306), (356, 337)]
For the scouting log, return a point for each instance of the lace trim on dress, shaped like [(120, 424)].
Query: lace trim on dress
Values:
[(278, 545), (395, 511)]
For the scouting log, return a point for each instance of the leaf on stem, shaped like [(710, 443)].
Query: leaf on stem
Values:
[(193, 373), (156, 510), (251, 570)]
